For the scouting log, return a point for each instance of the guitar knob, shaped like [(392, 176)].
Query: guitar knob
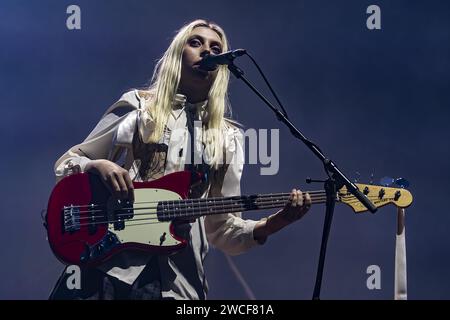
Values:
[(162, 239)]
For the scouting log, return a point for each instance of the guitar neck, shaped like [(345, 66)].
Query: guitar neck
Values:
[(193, 208)]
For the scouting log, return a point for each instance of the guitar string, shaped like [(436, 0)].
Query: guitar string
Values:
[(195, 206), (350, 199), (201, 213), (189, 213), (219, 198), (192, 205), (238, 197), (202, 201)]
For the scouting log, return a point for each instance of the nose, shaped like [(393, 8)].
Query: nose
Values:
[(205, 52)]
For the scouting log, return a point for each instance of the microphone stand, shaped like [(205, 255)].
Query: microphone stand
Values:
[(330, 190), (335, 181)]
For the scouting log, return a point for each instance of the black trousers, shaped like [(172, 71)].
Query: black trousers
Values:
[(97, 285)]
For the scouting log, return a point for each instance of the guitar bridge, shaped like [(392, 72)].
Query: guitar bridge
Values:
[(71, 218)]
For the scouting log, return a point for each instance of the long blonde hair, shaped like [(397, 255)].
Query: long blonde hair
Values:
[(164, 85)]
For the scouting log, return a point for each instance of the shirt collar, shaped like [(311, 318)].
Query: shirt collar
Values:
[(180, 103)]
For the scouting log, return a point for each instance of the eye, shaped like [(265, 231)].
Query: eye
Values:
[(216, 50), (195, 43)]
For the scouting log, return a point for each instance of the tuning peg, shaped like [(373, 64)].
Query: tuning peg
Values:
[(357, 178), (402, 183), (386, 181), (371, 178)]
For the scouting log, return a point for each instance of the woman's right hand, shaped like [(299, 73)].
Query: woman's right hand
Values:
[(116, 178)]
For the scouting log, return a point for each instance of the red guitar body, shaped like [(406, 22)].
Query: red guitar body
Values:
[(81, 232)]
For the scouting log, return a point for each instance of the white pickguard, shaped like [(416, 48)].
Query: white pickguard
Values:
[(151, 232)]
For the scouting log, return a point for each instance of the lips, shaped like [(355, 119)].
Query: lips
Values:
[(196, 66), (198, 69)]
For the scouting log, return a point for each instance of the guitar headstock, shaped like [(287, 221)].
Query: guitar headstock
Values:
[(378, 195)]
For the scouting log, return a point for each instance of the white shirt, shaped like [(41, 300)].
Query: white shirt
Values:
[(181, 276)]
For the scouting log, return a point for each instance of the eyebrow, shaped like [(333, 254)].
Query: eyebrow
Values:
[(213, 42)]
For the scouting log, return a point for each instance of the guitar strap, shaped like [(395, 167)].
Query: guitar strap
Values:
[(199, 175), (199, 171), (400, 258)]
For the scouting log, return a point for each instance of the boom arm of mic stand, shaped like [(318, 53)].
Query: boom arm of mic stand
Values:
[(328, 164)]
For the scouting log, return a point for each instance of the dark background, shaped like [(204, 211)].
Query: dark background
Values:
[(375, 101)]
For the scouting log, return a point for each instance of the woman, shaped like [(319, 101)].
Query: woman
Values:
[(144, 136)]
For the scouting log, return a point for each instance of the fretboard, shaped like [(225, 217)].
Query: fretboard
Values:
[(193, 208)]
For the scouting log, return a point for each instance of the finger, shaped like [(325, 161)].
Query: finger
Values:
[(130, 186), (291, 195), (294, 198), (308, 200), (300, 198), (290, 199), (114, 185), (122, 185)]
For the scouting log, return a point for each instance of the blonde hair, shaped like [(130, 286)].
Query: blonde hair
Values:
[(164, 85)]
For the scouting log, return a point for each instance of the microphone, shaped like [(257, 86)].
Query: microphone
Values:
[(210, 62)]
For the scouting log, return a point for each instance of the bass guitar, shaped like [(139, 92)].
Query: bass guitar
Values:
[(86, 225)]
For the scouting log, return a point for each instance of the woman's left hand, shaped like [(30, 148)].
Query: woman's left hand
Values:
[(298, 205)]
